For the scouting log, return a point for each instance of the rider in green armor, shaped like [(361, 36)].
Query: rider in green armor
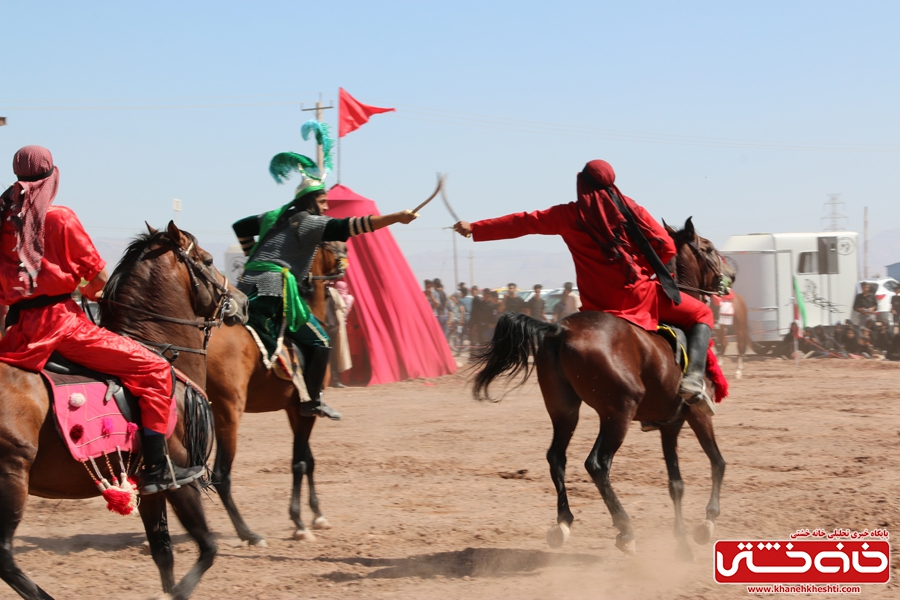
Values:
[(280, 246)]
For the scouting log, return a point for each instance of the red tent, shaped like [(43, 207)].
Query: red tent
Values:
[(393, 332)]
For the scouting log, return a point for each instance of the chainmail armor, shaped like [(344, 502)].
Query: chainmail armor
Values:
[(292, 244)]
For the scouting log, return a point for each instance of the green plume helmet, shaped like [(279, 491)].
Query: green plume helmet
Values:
[(283, 165), (323, 138)]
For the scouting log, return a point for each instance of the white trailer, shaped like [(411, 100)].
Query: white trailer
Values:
[(826, 268)]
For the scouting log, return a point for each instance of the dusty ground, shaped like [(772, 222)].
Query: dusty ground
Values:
[(433, 495)]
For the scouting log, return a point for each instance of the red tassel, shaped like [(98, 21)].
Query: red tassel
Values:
[(715, 374), (119, 501), (130, 430), (106, 426)]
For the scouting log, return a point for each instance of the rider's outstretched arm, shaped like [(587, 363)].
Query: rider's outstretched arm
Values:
[(551, 221), (340, 230)]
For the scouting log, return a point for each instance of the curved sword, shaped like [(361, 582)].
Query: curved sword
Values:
[(440, 186), (447, 202)]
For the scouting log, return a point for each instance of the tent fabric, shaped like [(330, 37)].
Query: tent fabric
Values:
[(400, 333)]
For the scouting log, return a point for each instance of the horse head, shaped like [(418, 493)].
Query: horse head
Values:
[(169, 269), (699, 266)]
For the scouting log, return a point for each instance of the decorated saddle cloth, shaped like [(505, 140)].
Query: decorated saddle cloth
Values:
[(95, 414), (278, 353)]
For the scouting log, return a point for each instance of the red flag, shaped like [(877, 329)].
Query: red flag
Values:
[(352, 114)]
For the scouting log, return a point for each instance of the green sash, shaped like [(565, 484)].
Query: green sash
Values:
[(296, 311)]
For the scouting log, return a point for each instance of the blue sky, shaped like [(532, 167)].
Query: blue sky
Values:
[(742, 114)]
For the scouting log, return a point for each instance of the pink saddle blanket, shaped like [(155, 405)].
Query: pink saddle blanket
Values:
[(89, 420)]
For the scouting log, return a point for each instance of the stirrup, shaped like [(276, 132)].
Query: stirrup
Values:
[(317, 408), (698, 398), (169, 477)]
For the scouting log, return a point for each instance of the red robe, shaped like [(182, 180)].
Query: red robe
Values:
[(606, 284), (69, 257)]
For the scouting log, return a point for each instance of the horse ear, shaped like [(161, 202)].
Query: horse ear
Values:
[(689, 229), (669, 229), (175, 234), (150, 229)]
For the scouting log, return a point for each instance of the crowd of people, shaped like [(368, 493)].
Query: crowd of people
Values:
[(872, 338), (468, 315)]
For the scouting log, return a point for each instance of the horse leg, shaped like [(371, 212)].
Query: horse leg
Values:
[(742, 349), (188, 506), (563, 404), (13, 496), (599, 463), (152, 509), (226, 449), (676, 485), (299, 468), (319, 520), (703, 429)]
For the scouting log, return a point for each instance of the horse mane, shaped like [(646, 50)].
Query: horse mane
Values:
[(133, 254)]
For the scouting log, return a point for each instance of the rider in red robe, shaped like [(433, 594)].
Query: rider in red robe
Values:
[(45, 255), (613, 274)]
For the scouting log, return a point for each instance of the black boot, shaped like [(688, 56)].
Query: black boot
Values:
[(693, 385), (314, 376), (159, 473)]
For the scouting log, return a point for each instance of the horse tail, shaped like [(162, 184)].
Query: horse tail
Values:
[(516, 338), (199, 430)]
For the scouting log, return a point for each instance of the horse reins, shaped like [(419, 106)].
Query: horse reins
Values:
[(716, 267)]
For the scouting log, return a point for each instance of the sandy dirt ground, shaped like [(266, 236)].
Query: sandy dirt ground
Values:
[(434, 495)]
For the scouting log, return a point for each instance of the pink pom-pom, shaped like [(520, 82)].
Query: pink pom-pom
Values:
[(130, 430), (106, 426), (715, 374)]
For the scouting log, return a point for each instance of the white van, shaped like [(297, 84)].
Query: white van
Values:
[(824, 264)]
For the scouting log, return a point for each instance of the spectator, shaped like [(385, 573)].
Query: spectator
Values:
[(336, 310), (568, 304), (431, 296), (463, 290), (441, 310), (514, 303), (865, 303), (480, 316), (881, 337), (536, 304), (456, 320)]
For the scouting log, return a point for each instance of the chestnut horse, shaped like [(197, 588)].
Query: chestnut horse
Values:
[(239, 382), (741, 330), (625, 374), (165, 271)]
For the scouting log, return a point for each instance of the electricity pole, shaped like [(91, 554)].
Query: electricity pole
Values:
[(320, 153)]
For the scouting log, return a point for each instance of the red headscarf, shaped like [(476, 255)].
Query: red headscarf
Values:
[(598, 211), (25, 205)]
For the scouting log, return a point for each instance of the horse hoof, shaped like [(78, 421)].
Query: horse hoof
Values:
[(321, 523), (737, 374), (626, 546), (145, 547), (304, 535), (258, 543), (161, 597), (557, 535), (703, 531)]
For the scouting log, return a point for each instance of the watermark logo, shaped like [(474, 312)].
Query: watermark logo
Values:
[(839, 557)]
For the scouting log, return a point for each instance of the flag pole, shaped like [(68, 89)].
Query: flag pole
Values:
[(339, 147)]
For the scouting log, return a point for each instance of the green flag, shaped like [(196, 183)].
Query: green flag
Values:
[(799, 305)]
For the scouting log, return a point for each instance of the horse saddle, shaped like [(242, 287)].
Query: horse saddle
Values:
[(95, 414), (678, 341)]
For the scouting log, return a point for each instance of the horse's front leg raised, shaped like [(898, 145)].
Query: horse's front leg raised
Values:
[(703, 428), (676, 485), (152, 509), (188, 506)]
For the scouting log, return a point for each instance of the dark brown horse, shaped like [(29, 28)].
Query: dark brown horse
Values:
[(161, 271), (239, 382), (622, 372)]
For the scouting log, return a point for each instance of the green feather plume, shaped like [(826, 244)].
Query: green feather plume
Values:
[(286, 163), (323, 138)]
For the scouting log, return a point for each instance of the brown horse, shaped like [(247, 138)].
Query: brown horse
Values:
[(622, 372), (741, 334), (163, 271), (239, 382)]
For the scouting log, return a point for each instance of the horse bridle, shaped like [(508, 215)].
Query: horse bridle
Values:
[(223, 304), (340, 268), (715, 265)]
